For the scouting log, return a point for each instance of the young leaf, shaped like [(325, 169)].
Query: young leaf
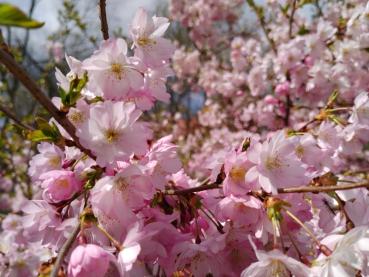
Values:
[(12, 16)]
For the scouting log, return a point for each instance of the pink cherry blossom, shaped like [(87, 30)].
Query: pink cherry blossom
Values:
[(276, 164), (115, 135), (112, 73), (147, 34)]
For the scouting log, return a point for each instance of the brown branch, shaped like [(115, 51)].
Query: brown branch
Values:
[(20, 74), (280, 190), (261, 18), (291, 19), (323, 189), (286, 118), (64, 250), (192, 190), (103, 19), (13, 117)]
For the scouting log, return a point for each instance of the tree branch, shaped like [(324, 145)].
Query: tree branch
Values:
[(12, 116), (103, 19), (21, 75), (291, 19), (64, 250), (192, 190), (280, 190), (261, 17), (323, 189)]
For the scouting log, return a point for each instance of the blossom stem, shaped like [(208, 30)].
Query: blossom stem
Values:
[(110, 237), (303, 226), (103, 19), (211, 217), (64, 250), (339, 109), (323, 248)]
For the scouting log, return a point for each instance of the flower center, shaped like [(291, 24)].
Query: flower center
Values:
[(237, 174), (63, 183), (117, 70), (111, 135), (121, 184), (299, 151), (145, 41), (76, 117), (273, 163), (54, 161), (279, 269)]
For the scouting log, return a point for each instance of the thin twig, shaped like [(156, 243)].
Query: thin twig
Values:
[(64, 250), (13, 117), (299, 222), (318, 8), (280, 190), (21, 75), (291, 19), (262, 22), (192, 190), (323, 189), (114, 242), (103, 19), (288, 111)]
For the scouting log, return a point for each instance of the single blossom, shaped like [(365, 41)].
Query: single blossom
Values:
[(50, 157), (349, 256), (149, 44), (276, 164), (112, 132), (111, 73), (131, 248), (274, 263)]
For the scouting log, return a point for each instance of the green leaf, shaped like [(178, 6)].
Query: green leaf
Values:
[(46, 132), (38, 136), (70, 98), (14, 17), (303, 30)]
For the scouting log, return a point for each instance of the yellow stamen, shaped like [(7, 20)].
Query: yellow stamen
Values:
[(117, 70)]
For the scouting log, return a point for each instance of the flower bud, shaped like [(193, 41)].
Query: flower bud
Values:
[(89, 260)]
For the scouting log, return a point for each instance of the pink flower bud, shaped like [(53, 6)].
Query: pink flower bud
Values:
[(282, 89), (59, 185), (89, 260)]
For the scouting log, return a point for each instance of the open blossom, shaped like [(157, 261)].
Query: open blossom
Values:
[(240, 209), (131, 248), (235, 168), (59, 185), (349, 256), (147, 34), (275, 263), (163, 160), (276, 164), (360, 113), (111, 73), (112, 133), (49, 158), (90, 260)]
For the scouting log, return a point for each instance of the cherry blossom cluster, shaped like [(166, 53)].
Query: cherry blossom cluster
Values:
[(277, 181)]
